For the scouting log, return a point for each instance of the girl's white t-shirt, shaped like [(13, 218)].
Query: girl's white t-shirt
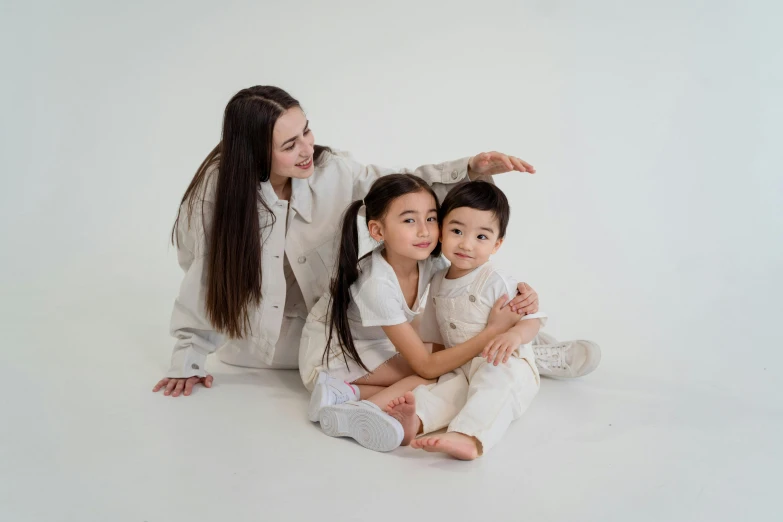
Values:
[(377, 299)]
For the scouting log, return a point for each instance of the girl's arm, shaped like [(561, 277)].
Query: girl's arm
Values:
[(433, 365)]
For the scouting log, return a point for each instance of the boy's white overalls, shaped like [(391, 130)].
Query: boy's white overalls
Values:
[(477, 399)]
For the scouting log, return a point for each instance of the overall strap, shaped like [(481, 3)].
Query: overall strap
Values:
[(481, 279)]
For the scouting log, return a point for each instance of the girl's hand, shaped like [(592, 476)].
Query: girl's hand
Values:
[(526, 301), (491, 163), (176, 386), (501, 347), (501, 318)]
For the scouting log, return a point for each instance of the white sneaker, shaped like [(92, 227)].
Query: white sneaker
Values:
[(565, 360), (329, 391), (364, 422)]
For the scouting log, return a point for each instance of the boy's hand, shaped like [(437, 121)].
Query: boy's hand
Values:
[(501, 347)]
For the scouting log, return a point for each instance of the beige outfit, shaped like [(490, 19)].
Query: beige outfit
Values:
[(477, 399)]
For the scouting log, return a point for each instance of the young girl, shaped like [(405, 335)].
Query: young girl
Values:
[(479, 400), (359, 342)]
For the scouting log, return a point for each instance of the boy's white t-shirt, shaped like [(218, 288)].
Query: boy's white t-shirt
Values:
[(377, 299), (499, 283)]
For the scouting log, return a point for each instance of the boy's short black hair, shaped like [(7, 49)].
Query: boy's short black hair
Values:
[(478, 195)]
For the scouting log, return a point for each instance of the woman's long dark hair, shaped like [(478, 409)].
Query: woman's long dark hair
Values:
[(243, 159), (377, 201)]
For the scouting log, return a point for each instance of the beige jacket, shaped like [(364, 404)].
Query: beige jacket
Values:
[(310, 242)]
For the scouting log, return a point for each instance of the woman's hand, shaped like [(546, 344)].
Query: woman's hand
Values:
[(526, 301), (501, 317), (176, 386), (491, 163)]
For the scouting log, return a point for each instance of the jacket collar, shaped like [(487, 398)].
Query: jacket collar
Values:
[(301, 197)]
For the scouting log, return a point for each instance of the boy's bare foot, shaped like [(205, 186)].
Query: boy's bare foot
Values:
[(458, 445), (404, 410)]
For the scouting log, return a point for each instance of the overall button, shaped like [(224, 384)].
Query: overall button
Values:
[(472, 298), (302, 259), (453, 174), (194, 366), (453, 326)]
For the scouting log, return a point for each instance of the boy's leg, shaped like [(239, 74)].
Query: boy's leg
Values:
[(438, 404), (497, 396), (430, 408)]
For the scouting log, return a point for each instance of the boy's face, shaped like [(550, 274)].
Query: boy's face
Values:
[(468, 237)]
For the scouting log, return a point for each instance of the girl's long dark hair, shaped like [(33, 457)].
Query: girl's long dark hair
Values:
[(385, 190), (243, 159)]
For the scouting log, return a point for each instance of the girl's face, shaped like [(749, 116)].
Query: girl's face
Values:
[(410, 226), (292, 146), (468, 237)]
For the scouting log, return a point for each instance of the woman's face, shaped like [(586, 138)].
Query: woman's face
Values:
[(292, 146)]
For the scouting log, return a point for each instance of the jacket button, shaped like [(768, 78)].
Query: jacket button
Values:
[(453, 174), (194, 366), (302, 259), (472, 299), (453, 326)]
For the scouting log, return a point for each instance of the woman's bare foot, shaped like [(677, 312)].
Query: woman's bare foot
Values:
[(404, 410), (458, 445)]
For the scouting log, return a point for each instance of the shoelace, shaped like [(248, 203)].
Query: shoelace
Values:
[(552, 357)]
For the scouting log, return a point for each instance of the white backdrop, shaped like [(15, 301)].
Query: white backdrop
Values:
[(653, 225)]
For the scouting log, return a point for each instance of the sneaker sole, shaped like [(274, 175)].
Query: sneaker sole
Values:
[(372, 429)]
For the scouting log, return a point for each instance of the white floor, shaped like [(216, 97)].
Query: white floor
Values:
[(86, 440)]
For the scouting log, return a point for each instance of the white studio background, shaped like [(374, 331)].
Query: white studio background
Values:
[(653, 225)]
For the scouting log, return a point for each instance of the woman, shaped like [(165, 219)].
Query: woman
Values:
[(256, 235)]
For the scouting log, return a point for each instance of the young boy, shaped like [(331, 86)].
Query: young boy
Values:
[(479, 400)]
